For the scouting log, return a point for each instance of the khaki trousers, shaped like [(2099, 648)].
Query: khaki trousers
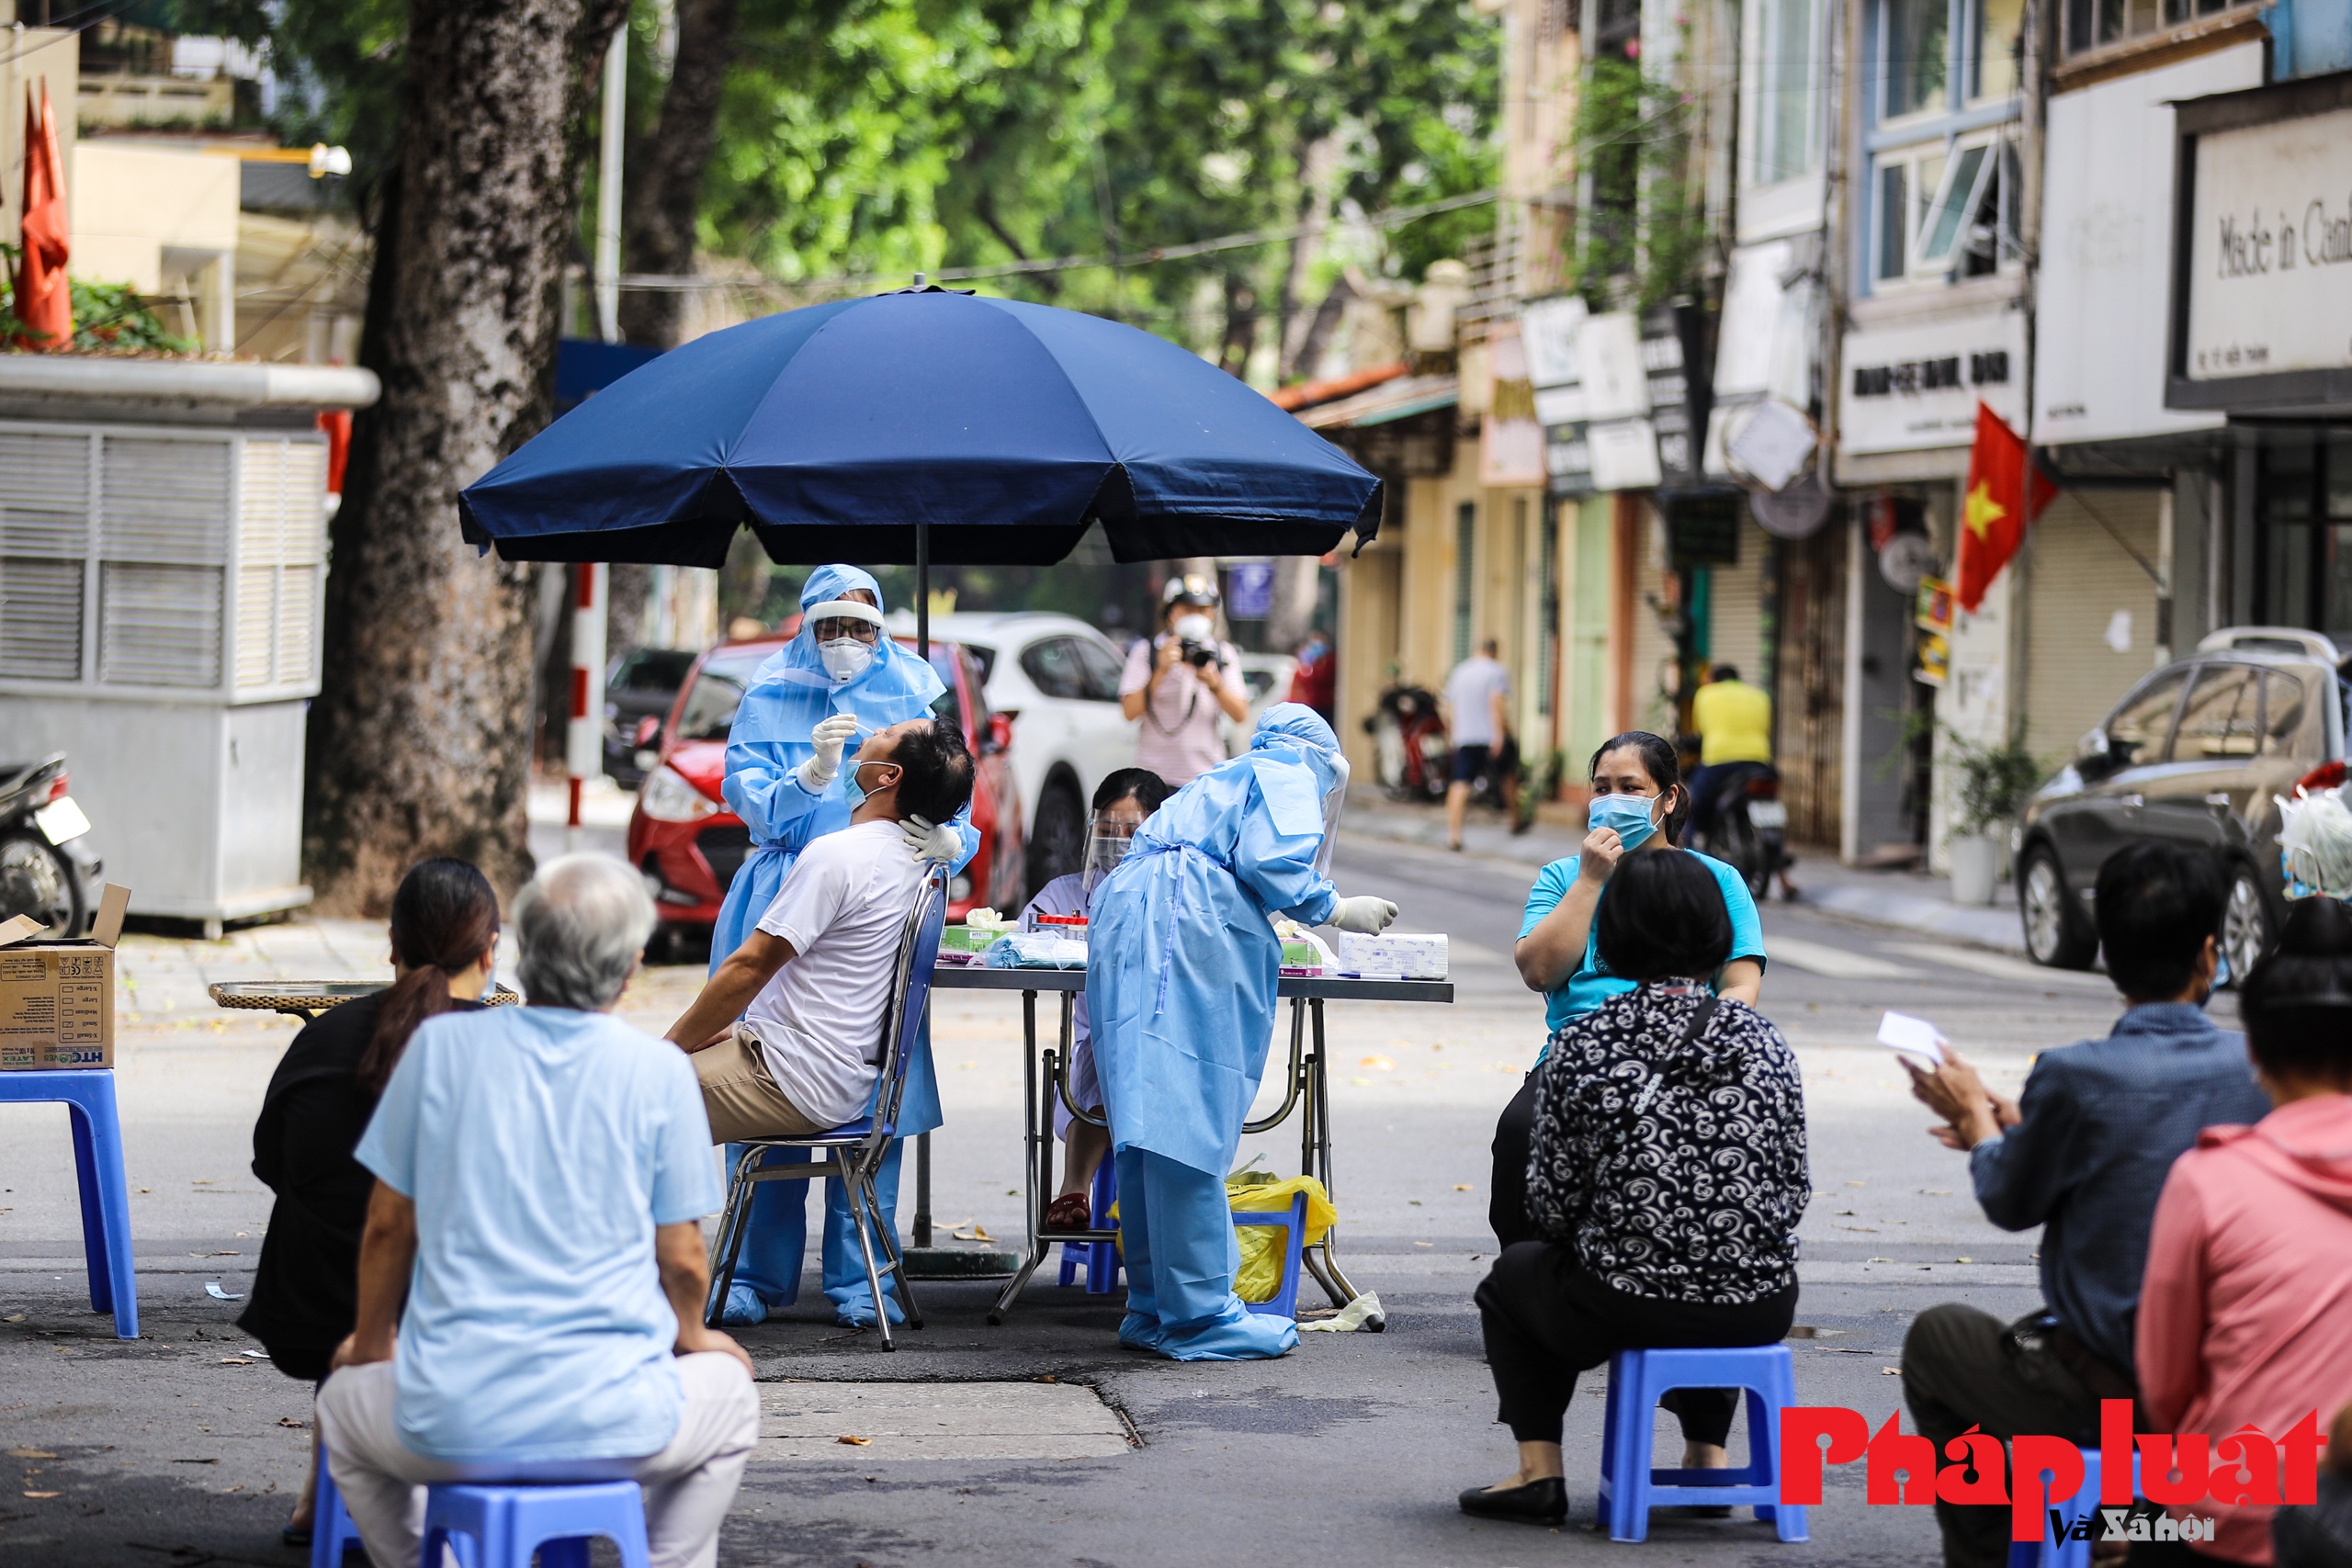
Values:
[(741, 1096), (689, 1486)]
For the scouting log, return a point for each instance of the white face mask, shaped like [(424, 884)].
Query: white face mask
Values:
[(845, 659), (1194, 628)]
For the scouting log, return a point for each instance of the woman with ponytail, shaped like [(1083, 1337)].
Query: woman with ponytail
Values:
[(305, 1290)]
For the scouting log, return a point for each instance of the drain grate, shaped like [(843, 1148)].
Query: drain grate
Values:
[(803, 1421)]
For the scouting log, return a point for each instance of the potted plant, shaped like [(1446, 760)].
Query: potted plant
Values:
[(1994, 784)]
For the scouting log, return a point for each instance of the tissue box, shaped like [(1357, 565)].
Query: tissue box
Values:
[(1393, 955), (1302, 958), (968, 939)]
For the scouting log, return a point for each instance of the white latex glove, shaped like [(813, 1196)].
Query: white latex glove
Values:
[(830, 737), (926, 842), (1365, 914)]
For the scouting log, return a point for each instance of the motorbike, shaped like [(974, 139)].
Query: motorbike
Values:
[(1415, 763), (47, 870), (1749, 830)]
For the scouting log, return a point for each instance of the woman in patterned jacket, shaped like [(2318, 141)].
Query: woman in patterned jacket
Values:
[(1667, 1173)]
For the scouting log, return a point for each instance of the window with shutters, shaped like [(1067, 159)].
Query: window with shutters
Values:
[(44, 550), (117, 549), (280, 530)]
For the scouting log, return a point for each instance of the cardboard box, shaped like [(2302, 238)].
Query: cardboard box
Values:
[(57, 998)]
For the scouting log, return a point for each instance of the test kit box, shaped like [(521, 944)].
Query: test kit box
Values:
[(57, 998)]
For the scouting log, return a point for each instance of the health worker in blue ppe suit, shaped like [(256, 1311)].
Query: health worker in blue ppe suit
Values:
[(839, 680), (1181, 962)]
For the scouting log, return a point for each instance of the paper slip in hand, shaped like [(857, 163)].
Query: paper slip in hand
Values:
[(1912, 1037)]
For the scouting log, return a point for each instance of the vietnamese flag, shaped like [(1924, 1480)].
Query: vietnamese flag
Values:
[(2005, 494), (44, 303)]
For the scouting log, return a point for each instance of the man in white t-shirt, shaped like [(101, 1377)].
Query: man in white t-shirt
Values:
[(783, 1034), (1478, 720)]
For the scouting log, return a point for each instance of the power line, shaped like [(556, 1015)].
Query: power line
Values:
[(1394, 218)]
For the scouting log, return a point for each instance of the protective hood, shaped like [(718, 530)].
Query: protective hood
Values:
[(2306, 1143), (1302, 774), (798, 691)]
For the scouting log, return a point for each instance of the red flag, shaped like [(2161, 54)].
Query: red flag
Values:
[(2006, 492), (44, 303)]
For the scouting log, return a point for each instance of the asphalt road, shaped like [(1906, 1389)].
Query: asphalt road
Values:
[(178, 1449)]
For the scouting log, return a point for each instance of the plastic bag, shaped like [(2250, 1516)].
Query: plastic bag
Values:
[(1035, 950), (1259, 1278), (2316, 844)]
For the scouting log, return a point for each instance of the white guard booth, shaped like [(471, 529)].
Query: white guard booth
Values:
[(162, 557)]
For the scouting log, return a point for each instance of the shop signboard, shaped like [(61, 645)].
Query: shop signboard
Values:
[(1912, 385), (2262, 266)]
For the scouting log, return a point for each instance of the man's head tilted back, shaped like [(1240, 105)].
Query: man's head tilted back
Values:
[(920, 768)]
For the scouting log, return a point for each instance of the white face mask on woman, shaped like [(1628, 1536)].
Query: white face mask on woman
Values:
[(845, 659), (1194, 628)]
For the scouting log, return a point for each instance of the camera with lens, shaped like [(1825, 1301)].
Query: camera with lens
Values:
[(1199, 655)]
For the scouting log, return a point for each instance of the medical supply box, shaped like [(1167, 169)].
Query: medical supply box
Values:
[(1393, 955), (57, 996)]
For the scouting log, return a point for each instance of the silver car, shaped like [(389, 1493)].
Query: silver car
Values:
[(2196, 753)]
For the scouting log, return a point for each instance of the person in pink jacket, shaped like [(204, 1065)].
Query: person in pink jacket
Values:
[(2245, 1312)]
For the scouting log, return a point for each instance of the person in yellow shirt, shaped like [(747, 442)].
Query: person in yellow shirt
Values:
[(1735, 724)]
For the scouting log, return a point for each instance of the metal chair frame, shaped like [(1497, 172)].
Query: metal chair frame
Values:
[(857, 1148)]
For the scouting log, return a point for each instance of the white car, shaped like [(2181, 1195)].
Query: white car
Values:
[(1266, 677), (1057, 678)]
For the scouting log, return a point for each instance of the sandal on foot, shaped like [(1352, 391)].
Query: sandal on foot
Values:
[(1069, 1212)]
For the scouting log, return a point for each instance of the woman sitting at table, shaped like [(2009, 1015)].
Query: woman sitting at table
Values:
[(306, 1291), (1121, 801), (1666, 1173)]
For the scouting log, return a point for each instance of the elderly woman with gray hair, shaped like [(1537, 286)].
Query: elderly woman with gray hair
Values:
[(541, 1173)]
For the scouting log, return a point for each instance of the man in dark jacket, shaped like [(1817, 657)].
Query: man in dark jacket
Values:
[(2082, 1153)]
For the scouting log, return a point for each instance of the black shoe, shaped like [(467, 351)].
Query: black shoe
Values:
[(294, 1535), (1543, 1502)]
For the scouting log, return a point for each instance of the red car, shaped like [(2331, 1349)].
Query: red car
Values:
[(689, 844)]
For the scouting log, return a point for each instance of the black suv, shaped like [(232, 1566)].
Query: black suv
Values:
[(2196, 753)]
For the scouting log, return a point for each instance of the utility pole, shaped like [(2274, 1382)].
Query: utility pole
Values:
[(608, 190), (584, 739)]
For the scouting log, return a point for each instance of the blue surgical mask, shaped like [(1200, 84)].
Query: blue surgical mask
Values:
[(851, 787), (1628, 814)]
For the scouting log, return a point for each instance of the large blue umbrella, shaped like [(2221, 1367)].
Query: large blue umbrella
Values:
[(924, 426)]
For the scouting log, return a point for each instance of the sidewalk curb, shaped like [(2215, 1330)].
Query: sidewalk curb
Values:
[(1878, 897)]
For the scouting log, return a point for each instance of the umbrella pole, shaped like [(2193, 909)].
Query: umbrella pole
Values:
[(923, 651)]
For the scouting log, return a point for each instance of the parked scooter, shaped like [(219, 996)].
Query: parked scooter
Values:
[(1408, 736), (1749, 829), (47, 869)]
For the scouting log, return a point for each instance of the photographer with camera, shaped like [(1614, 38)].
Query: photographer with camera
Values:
[(1180, 683)]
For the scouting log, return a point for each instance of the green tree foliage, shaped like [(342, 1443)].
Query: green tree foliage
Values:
[(885, 137), (1641, 241), (888, 136)]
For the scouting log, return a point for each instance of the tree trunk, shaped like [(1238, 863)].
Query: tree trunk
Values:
[(1318, 163), (420, 737), (665, 176), (1298, 583)]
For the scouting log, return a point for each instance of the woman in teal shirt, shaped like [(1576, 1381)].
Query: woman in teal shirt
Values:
[(1639, 803)]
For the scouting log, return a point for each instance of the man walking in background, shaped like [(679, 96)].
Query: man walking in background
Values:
[(1478, 702)]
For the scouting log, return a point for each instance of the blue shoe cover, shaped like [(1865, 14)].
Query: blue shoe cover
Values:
[(744, 1308), (1237, 1335)]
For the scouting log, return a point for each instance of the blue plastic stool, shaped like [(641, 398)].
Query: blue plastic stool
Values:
[(501, 1527), (1101, 1259), (88, 1093), (2063, 1553), (1294, 1221), (1630, 1488), (331, 1531)]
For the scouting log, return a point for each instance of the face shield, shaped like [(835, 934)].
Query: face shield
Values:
[(1109, 832), (1335, 806)]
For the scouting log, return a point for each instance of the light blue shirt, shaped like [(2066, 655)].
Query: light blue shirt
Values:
[(541, 1147), (1592, 984)]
